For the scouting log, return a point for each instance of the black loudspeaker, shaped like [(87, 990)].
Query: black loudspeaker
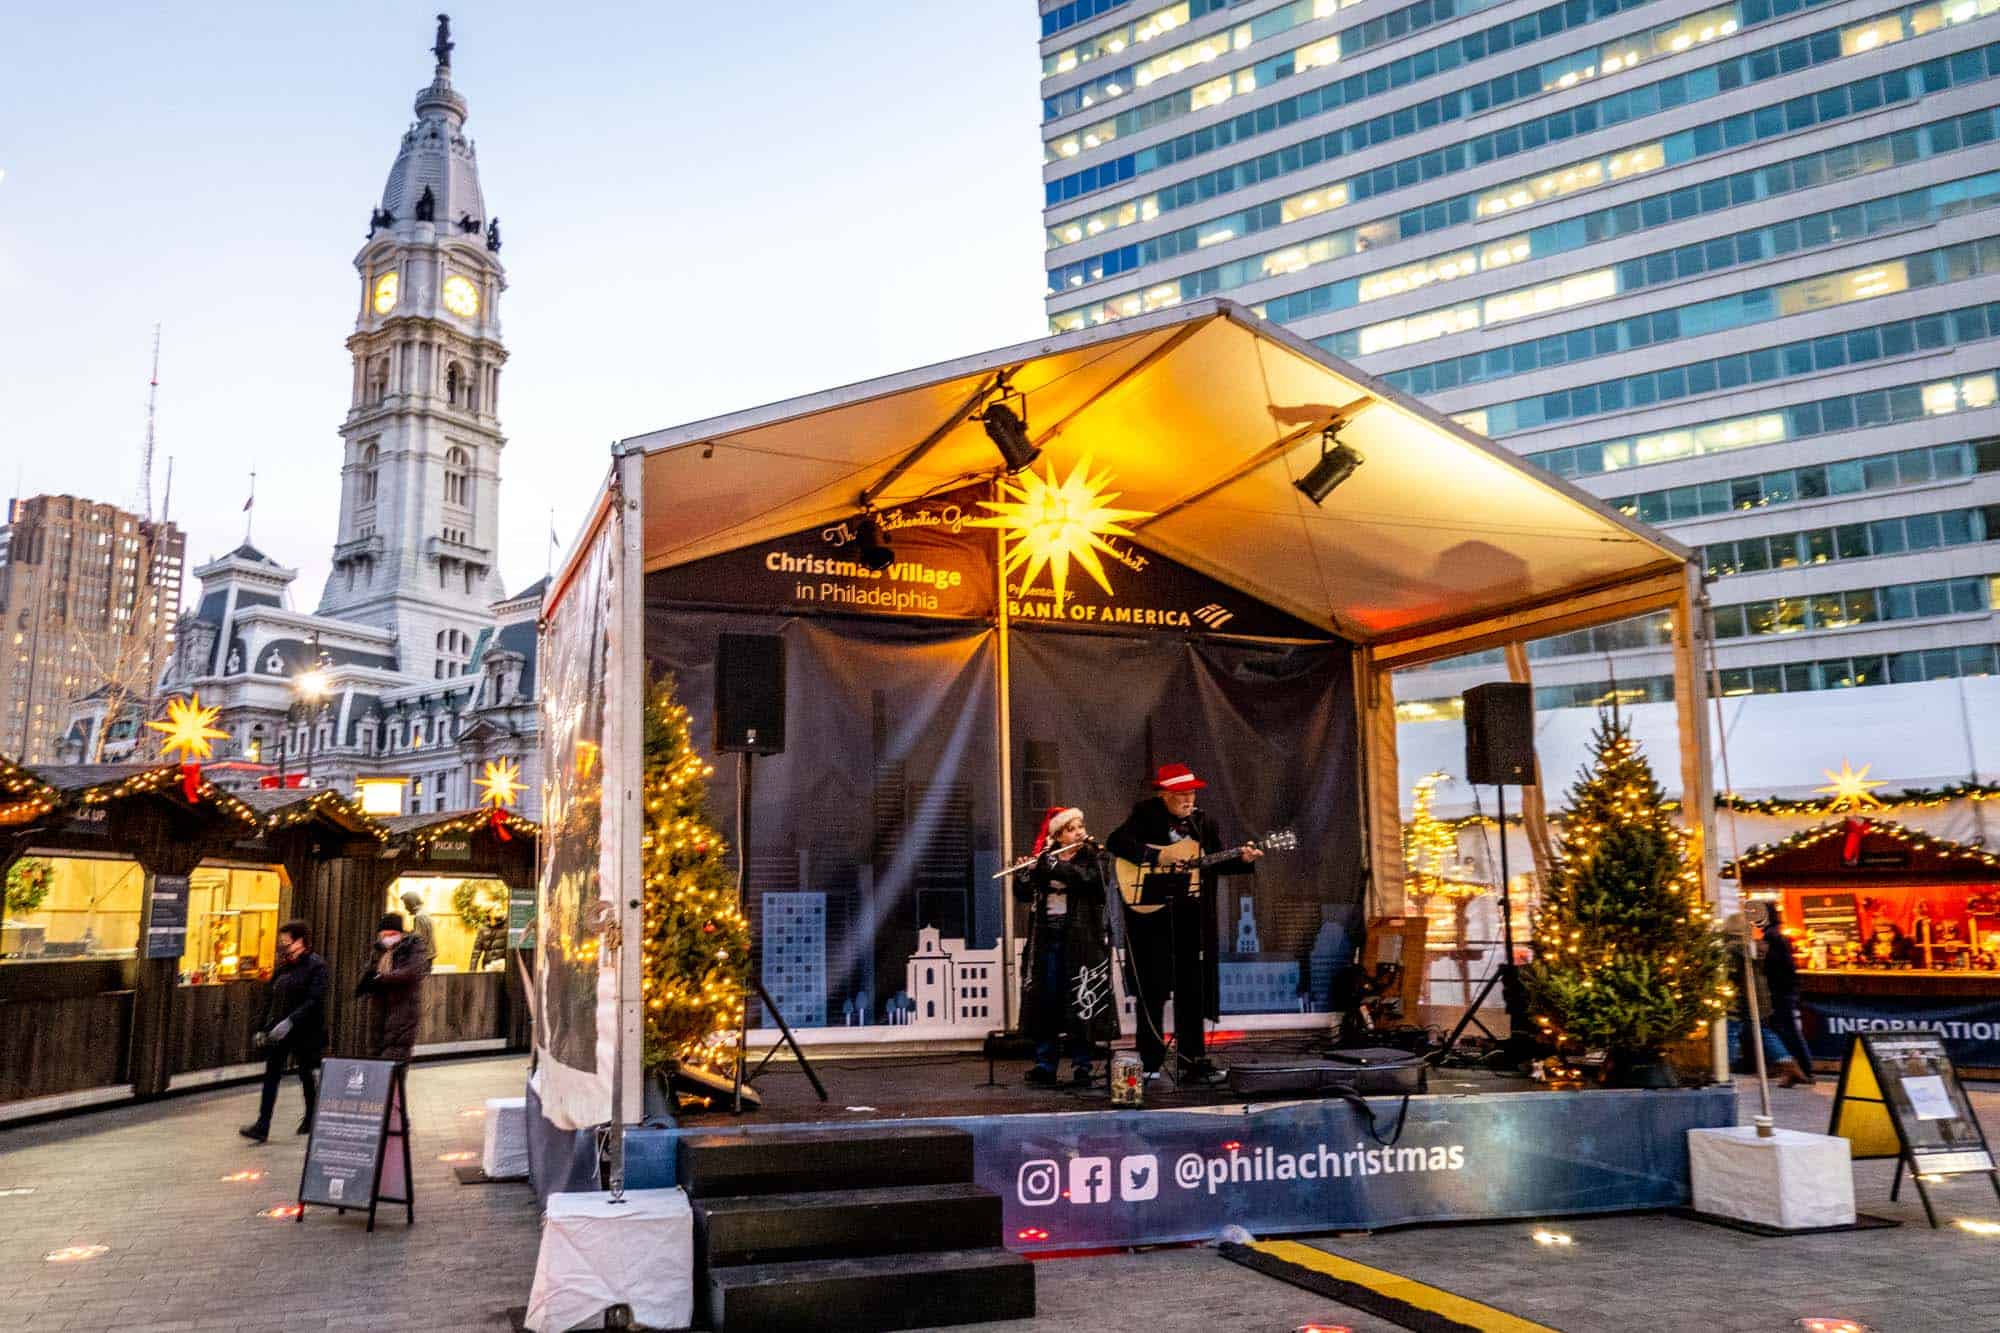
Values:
[(1500, 734), (749, 694)]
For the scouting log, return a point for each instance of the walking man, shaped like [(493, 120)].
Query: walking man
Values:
[(294, 1026)]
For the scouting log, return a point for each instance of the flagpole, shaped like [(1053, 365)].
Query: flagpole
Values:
[(249, 507)]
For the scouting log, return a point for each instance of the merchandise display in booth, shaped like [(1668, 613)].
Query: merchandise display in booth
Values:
[(464, 919), (71, 907), (1893, 930), (232, 924)]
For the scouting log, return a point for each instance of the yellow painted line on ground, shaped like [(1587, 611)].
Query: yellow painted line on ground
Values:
[(1397, 1287)]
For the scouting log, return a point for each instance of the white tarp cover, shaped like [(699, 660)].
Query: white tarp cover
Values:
[(1205, 416), (583, 713), (596, 1253)]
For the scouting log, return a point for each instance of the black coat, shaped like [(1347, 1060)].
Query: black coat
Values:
[(395, 980), (1148, 826), (1087, 1005), (297, 991)]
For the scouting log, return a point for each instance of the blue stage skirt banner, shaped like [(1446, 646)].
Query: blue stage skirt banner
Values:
[(1087, 1179), (1968, 1024)]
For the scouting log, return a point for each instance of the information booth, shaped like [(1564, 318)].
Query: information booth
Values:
[(1894, 930)]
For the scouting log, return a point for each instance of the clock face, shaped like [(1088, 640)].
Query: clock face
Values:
[(386, 288), (460, 296)]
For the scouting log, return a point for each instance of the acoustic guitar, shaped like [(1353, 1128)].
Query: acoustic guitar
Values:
[(1185, 858)]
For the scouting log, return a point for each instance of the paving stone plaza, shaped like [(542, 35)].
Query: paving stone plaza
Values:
[(187, 1248)]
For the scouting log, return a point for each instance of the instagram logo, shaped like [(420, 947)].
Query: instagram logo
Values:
[(1039, 1183)]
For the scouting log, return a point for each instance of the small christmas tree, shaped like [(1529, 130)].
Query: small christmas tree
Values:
[(1627, 957), (695, 944)]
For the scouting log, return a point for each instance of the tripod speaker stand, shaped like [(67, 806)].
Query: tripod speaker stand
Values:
[(1500, 751), (749, 721)]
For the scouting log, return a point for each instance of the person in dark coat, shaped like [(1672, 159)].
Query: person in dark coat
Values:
[(1066, 994), (1173, 947), (395, 979), (1781, 972), (293, 1030)]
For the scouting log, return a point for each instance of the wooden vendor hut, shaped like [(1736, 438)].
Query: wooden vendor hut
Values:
[(1894, 929), (463, 875), (142, 913), (106, 918)]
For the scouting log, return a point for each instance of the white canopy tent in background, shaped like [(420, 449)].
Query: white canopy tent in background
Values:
[(1441, 543)]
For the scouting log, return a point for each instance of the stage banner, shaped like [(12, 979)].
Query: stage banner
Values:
[(1269, 727), (873, 835), (1120, 1178), (576, 1014), (941, 568), (1968, 1025)]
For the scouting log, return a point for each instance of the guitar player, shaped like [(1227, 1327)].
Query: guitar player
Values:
[(1171, 933)]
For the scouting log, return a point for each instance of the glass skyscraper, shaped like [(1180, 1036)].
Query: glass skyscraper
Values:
[(1733, 267)]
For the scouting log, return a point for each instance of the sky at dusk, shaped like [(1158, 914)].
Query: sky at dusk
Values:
[(704, 207)]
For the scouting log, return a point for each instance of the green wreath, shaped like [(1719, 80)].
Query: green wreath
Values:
[(477, 906), (28, 882)]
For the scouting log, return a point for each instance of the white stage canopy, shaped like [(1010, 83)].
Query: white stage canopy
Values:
[(1205, 415)]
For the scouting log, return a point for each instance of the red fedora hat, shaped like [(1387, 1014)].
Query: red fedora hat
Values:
[(1177, 777)]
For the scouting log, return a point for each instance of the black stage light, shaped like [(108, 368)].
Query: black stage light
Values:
[(1010, 436), (869, 547), (1336, 464)]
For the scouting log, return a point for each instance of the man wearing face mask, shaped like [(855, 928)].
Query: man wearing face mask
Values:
[(394, 979), (294, 1028)]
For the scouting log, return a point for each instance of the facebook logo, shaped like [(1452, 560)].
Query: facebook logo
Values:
[(1089, 1179)]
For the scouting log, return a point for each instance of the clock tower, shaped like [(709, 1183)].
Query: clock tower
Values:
[(420, 469)]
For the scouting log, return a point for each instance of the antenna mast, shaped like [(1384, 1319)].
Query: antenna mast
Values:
[(146, 463)]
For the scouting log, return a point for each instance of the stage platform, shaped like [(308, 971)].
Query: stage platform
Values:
[(1074, 1172)]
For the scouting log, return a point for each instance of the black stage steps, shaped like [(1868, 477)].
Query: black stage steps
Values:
[(712, 1165), (879, 1292), (846, 1224), (856, 1230)]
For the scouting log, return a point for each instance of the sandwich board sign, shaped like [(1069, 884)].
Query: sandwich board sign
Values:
[(350, 1159), (1900, 1097)]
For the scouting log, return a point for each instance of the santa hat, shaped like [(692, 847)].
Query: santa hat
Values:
[(1053, 822), (1177, 777)]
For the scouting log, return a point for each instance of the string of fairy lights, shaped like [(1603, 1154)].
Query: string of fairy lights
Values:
[(1900, 834), (24, 798), (190, 732)]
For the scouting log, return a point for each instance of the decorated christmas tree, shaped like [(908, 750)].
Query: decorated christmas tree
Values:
[(1627, 957), (695, 944)]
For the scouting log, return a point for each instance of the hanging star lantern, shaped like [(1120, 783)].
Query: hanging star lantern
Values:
[(189, 731), (1046, 523), (500, 788), (1850, 790)]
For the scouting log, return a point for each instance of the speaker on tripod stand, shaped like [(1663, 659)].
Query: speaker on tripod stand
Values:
[(1500, 752), (749, 721)]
